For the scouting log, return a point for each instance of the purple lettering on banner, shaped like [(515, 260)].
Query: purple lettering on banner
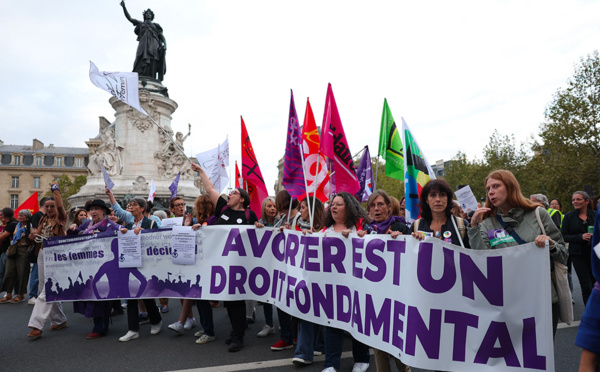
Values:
[(497, 333), (375, 260), (398, 247), (424, 267), (277, 248), (357, 257), (237, 278), (292, 246), (490, 286), (356, 314), (461, 323), (217, 271), (307, 242), (281, 281), (322, 300), (252, 280), (258, 249), (378, 322), (289, 293), (343, 296), (304, 307), (398, 325), (274, 284), (234, 243), (428, 336), (531, 359), (330, 259)]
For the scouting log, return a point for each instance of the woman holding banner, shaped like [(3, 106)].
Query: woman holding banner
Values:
[(233, 211), (268, 214), (509, 219), (345, 216)]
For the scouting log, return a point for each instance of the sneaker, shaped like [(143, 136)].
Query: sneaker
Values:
[(124, 305), (164, 308), (144, 319), (318, 352), (130, 335), (31, 301), (265, 331), (156, 328), (281, 345), (205, 339), (360, 367), (94, 335), (177, 327), (329, 369), (199, 333), (189, 323), (236, 345), (301, 362)]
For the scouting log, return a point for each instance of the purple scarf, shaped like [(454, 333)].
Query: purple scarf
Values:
[(90, 229), (383, 226)]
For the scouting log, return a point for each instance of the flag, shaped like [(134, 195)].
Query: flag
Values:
[(122, 85), (173, 187), (312, 157), (107, 181), (238, 178), (215, 163), (334, 145), (417, 173), (293, 177), (365, 176), (31, 203), (390, 145), (152, 192), (595, 243), (255, 184)]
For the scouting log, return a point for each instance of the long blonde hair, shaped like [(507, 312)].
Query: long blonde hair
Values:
[(514, 197)]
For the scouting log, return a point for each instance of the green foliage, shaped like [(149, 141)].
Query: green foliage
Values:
[(391, 185), (68, 187), (461, 171)]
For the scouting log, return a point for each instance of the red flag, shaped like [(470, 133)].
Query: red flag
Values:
[(32, 204), (238, 177), (334, 145), (310, 147), (251, 173)]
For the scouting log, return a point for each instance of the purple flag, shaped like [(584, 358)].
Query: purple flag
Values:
[(293, 177), (173, 187), (365, 176)]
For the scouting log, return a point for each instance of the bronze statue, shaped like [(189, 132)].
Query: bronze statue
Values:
[(152, 47)]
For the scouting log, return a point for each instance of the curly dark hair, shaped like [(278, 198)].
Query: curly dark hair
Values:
[(440, 186), (354, 212)]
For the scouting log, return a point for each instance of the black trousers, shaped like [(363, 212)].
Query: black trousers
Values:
[(133, 313), (236, 310), (583, 267)]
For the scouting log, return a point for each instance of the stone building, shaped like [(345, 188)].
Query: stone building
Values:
[(27, 169)]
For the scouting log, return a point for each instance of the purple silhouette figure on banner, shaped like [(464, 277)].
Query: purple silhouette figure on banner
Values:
[(116, 275)]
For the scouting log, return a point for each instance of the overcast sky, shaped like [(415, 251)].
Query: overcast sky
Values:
[(454, 70)]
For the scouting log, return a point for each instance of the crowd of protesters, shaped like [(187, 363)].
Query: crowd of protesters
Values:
[(568, 238)]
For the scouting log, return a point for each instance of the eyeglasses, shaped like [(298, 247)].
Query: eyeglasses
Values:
[(234, 192), (179, 205), (337, 205)]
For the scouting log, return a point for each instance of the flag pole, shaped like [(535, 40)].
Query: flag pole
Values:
[(310, 216), (170, 139), (376, 173)]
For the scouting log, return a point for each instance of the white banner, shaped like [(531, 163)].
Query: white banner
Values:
[(215, 163), (432, 304)]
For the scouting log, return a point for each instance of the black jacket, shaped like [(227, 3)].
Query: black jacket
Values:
[(573, 229)]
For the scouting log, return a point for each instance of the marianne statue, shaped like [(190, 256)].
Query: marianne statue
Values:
[(152, 47)]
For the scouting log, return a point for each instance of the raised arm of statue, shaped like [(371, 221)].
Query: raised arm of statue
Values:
[(134, 21)]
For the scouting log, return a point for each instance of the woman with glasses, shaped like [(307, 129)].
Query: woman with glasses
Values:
[(577, 230)]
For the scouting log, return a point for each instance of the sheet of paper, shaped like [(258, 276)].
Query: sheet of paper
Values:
[(130, 250), (183, 245), (597, 250), (170, 222), (466, 199)]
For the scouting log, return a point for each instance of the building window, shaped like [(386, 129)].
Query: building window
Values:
[(14, 182), (79, 162), (17, 159), (36, 182), (14, 201), (38, 161), (59, 162)]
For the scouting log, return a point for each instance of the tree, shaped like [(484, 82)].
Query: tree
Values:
[(461, 171), (69, 187), (390, 185)]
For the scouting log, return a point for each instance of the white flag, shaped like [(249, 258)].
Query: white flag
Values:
[(107, 181), (215, 163), (152, 192), (123, 85)]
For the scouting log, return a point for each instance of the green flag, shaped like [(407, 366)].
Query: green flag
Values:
[(390, 145)]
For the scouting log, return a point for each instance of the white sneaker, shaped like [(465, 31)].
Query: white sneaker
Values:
[(177, 327), (199, 333), (189, 323), (124, 305), (156, 328), (130, 335), (329, 369), (265, 331), (301, 361), (205, 339), (31, 301), (360, 367), (317, 353)]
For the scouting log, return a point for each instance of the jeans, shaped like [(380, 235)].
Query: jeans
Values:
[(2, 269), (206, 317), (334, 342), (310, 338), (33, 281)]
